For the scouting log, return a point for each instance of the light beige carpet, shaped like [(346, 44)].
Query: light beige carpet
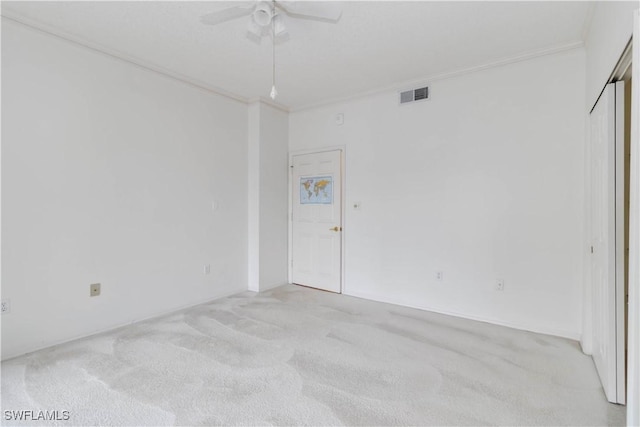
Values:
[(296, 356)]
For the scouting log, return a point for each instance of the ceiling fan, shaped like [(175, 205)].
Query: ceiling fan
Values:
[(269, 17)]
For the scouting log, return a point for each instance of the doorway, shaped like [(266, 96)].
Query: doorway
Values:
[(316, 220), (609, 235)]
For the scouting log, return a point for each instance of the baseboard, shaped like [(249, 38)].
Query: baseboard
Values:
[(118, 326), (520, 326)]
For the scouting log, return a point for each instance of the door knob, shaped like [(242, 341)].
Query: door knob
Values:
[(336, 228)]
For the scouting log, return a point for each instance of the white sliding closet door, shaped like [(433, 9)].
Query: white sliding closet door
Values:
[(607, 240)]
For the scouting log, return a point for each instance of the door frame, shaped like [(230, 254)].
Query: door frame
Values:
[(343, 186)]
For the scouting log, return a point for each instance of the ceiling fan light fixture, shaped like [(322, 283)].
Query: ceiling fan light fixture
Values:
[(255, 32), (263, 13), (279, 28)]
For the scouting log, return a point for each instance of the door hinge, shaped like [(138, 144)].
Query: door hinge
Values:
[(591, 249)]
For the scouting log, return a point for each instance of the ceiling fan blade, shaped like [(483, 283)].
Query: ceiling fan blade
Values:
[(227, 14), (328, 11)]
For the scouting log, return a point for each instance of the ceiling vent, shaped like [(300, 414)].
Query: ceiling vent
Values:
[(413, 95)]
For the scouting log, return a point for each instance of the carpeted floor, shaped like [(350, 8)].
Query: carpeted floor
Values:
[(296, 356)]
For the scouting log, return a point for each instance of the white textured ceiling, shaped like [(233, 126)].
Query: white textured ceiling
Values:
[(374, 45)]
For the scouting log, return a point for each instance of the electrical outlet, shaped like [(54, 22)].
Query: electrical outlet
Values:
[(500, 285), (207, 269), (94, 290), (439, 276), (5, 307)]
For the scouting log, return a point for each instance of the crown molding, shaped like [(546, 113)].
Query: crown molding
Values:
[(448, 75), (112, 53)]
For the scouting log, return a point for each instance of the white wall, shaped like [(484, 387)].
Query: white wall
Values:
[(109, 173), (274, 196), (609, 32), (483, 181), (268, 196), (253, 195)]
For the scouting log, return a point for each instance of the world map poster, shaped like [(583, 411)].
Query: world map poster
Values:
[(316, 190)]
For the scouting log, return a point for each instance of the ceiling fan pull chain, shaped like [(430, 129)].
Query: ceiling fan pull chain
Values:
[(274, 92)]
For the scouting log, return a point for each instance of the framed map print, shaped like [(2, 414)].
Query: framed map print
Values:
[(316, 190)]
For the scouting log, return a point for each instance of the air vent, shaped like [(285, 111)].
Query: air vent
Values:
[(406, 97), (414, 95), (422, 93)]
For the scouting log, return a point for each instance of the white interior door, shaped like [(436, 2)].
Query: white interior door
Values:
[(607, 240), (317, 220)]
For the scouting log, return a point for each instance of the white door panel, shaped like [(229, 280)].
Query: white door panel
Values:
[(317, 220), (606, 281)]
